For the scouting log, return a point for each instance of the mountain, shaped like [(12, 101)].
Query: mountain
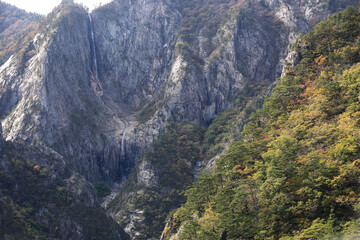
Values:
[(293, 172), (42, 198), (143, 95), (259, 37), (146, 73)]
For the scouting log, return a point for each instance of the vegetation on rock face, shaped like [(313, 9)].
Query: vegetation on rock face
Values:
[(173, 158), (202, 17), (38, 201), (294, 171), (17, 28), (102, 189)]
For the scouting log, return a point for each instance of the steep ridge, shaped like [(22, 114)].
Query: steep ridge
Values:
[(56, 104), (293, 173)]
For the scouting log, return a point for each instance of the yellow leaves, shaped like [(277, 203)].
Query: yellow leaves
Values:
[(320, 61), (304, 191), (346, 122), (319, 229), (347, 179), (342, 150), (321, 135), (319, 195), (296, 118), (209, 220), (178, 211), (348, 135), (351, 83), (166, 230), (356, 163), (271, 154), (313, 115), (326, 74), (349, 200), (244, 172), (353, 71)]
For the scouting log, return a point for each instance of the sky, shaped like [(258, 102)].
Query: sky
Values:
[(45, 6)]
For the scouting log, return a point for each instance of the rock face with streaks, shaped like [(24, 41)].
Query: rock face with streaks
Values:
[(1, 136), (146, 175), (53, 101), (41, 197), (146, 75), (100, 100), (135, 42)]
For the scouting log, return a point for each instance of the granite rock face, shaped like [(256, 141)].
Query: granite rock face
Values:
[(146, 175), (1, 136), (135, 42), (53, 101), (103, 121), (99, 102)]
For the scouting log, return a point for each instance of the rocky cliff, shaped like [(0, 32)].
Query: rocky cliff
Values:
[(41, 197), (53, 103), (99, 88), (250, 48), (146, 74), (1, 136)]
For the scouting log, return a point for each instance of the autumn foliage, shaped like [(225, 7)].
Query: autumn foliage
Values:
[(294, 172)]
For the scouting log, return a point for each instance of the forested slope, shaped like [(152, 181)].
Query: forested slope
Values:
[(294, 171), (42, 198), (17, 28)]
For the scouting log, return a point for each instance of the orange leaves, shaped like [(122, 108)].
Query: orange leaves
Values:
[(309, 91), (303, 159), (320, 61), (36, 168)]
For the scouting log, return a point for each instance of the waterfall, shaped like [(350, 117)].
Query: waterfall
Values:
[(93, 47), (123, 145), (98, 89), (122, 155)]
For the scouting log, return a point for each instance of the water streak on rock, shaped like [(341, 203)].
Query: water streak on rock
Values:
[(93, 47)]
